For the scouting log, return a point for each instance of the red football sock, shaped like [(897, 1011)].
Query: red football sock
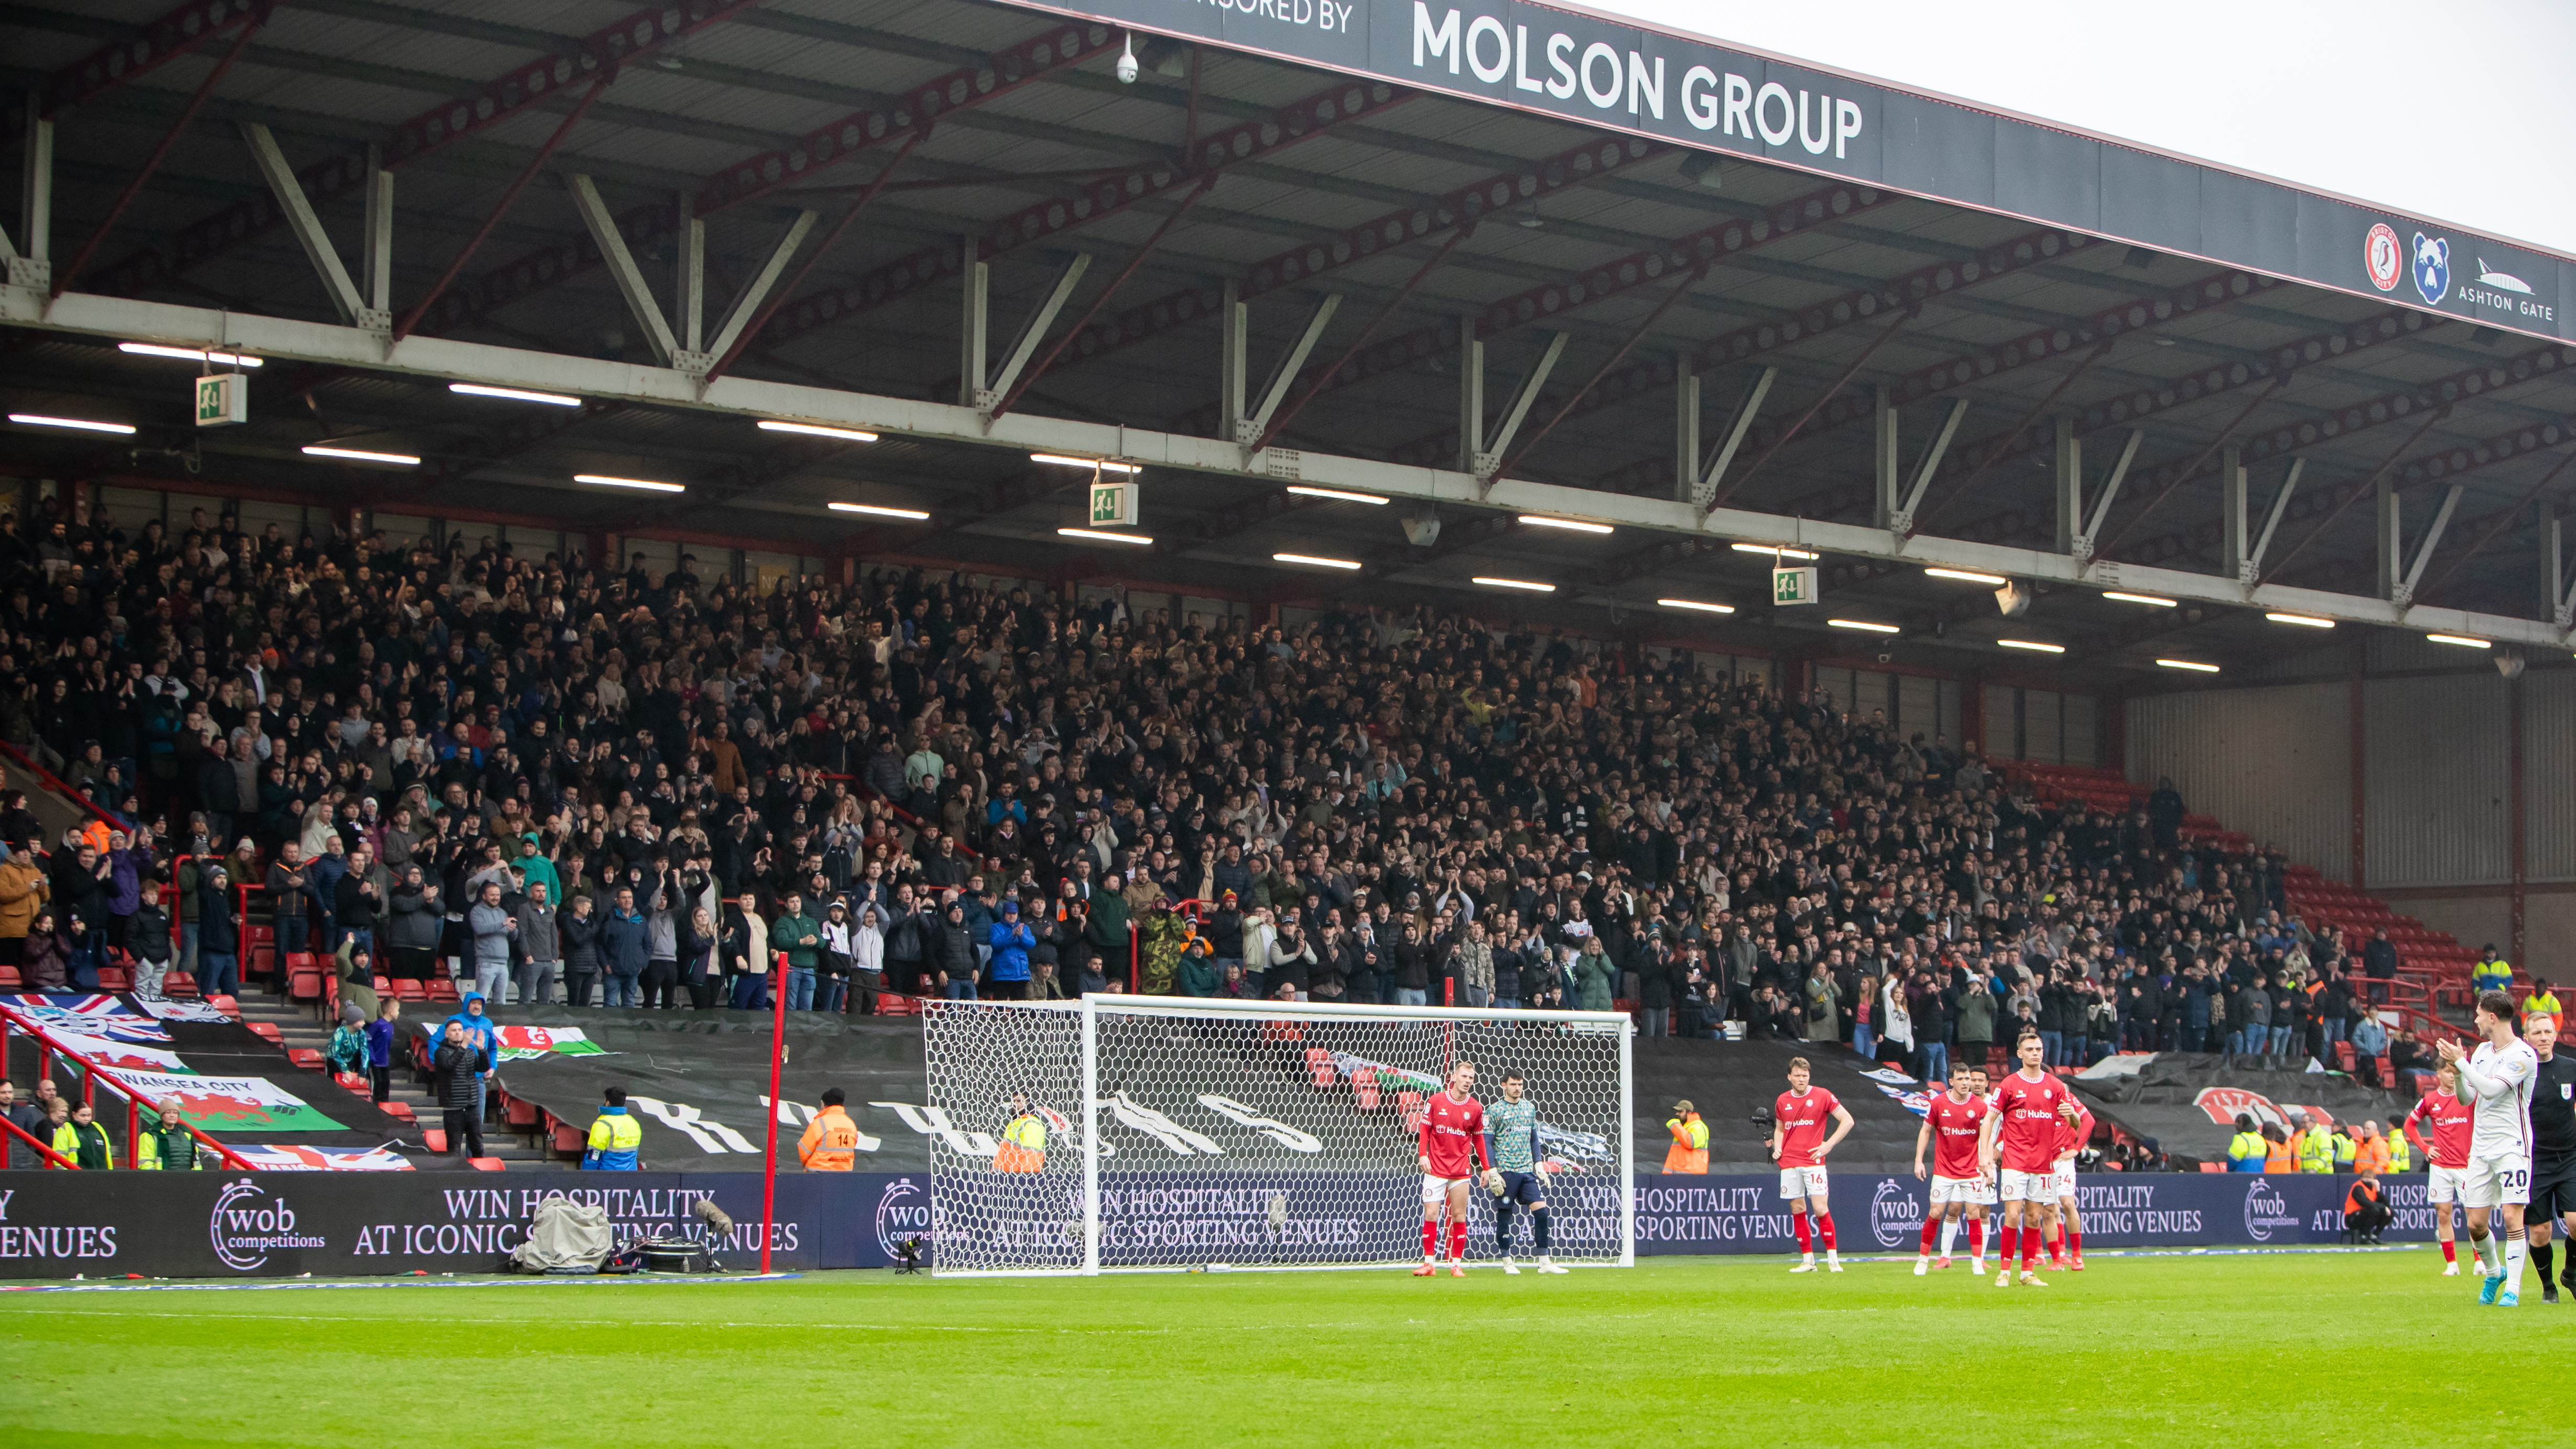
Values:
[(1976, 1237), (2450, 1251), (1430, 1237), (1799, 1221), (1457, 1242), (2007, 1238), (1825, 1225), (1931, 1233), (2075, 1242), (2029, 1248)]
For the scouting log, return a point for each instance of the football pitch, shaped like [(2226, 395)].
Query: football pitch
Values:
[(2274, 1349)]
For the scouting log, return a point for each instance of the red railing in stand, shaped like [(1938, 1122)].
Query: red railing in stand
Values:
[(17, 757), (91, 1075), (56, 1159)]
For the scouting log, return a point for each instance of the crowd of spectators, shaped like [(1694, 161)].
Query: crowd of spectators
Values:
[(636, 786)]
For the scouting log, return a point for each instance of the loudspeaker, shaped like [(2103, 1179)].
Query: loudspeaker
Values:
[(2013, 599), (1422, 532)]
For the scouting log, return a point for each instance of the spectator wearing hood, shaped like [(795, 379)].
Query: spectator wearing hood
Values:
[(473, 1016), (1011, 939)]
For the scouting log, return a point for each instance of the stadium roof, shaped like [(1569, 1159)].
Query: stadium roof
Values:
[(1929, 372)]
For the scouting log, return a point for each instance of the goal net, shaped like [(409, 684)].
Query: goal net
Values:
[(1141, 1133)]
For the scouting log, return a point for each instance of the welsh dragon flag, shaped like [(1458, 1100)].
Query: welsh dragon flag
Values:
[(230, 1104)]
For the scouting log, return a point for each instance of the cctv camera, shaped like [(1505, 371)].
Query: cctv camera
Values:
[(1422, 532), (1886, 656), (2012, 599), (1127, 63)]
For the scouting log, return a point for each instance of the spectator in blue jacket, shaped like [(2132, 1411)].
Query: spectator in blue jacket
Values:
[(624, 949), (1011, 940)]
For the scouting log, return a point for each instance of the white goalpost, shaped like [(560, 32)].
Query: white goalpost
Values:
[(1178, 1133)]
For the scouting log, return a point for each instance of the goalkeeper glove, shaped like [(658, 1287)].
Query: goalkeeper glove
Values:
[(1493, 1182)]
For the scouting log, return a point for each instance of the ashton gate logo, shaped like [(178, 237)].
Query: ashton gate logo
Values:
[(249, 1223)]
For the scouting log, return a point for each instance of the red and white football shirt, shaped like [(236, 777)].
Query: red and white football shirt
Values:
[(2026, 1140), (1802, 1122), (2449, 1119), (2071, 1136), (1453, 1135), (1954, 1135)]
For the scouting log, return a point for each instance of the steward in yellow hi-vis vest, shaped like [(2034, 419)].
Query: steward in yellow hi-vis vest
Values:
[(1023, 1147)]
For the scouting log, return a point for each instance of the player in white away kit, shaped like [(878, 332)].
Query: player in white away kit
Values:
[(2495, 1081), (1953, 1125), (1452, 1138), (1799, 1142)]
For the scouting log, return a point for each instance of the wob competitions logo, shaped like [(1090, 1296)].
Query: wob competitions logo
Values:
[(903, 1213), (2266, 1211), (249, 1223), (1895, 1214)]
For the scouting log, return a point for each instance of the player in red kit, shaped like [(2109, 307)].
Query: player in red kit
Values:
[(1953, 1128), (2446, 1155), (1798, 1140), (2031, 1112), (1452, 1147), (2069, 1228)]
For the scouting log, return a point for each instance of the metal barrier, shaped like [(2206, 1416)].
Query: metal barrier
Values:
[(92, 1074)]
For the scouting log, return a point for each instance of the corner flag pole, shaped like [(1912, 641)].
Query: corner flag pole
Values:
[(777, 1049)]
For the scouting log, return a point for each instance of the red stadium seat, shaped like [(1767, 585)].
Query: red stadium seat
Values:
[(399, 1111), (267, 1031), (409, 990), (434, 1138), (305, 1057), (1319, 1065), (488, 1164), (226, 1005), (1364, 1088)]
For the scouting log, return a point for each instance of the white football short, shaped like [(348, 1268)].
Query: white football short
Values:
[(2445, 1184), (1806, 1182), (2061, 1180), (2498, 1180), (1975, 1190), (2029, 1186), (1435, 1190)]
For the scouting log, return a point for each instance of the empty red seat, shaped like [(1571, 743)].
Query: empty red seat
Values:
[(442, 989), (434, 1138), (304, 985), (178, 983), (409, 990), (226, 1005), (400, 1111), (305, 1057), (488, 1164), (1319, 1065), (267, 1031), (115, 978)]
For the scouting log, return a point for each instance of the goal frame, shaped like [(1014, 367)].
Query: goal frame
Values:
[(1091, 1008)]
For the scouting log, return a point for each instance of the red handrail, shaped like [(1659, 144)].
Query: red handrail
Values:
[(23, 1135), (22, 761), (92, 1074)]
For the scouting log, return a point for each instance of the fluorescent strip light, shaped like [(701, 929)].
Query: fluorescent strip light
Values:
[(187, 354), (2191, 664), (2032, 645), (1696, 604), (1103, 464), (2305, 620), (361, 455), (2463, 640), (1968, 576), (1773, 548), (869, 508), (647, 484), (514, 394), (1535, 588), (1097, 536), (1865, 624), (817, 430), (1343, 494), (1316, 561), (85, 425), (1577, 525), (2148, 599)]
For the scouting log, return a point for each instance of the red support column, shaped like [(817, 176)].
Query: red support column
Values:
[(2517, 892), (2358, 785)]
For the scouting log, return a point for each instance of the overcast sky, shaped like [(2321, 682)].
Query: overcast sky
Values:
[(2454, 110)]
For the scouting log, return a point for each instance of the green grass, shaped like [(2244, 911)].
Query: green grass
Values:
[(2183, 1351)]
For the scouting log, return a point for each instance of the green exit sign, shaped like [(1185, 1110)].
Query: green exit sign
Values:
[(223, 398), (1113, 505), (1793, 586)]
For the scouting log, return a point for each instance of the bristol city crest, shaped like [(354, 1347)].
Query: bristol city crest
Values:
[(2384, 258), (2432, 266)]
